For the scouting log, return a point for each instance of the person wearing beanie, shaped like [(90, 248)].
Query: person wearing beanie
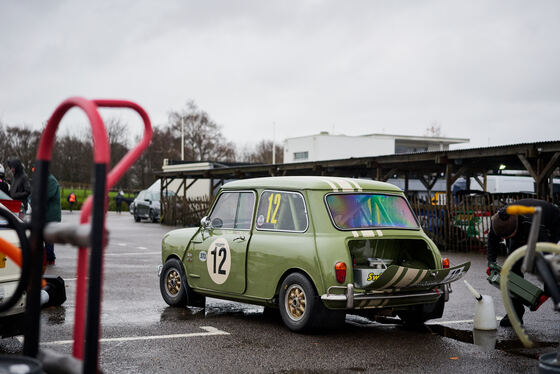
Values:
[(515, 231), (21, 187), (4, 186)]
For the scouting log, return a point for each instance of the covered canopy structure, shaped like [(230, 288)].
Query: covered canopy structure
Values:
[(540, 160)]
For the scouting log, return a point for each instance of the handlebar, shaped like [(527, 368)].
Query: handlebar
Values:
[(516, 210)]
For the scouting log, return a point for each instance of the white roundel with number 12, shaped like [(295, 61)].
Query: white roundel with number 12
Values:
[(218, 260)]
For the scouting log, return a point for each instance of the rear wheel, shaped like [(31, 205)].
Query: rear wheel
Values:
[(419, 314), (301, 308)]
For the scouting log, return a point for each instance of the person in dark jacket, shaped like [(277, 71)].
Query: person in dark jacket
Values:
[(4, 186), (53, 213), (119, 198), (21, 188), (515, 230)]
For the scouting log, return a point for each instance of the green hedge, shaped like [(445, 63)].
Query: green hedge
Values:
[(81, 196)]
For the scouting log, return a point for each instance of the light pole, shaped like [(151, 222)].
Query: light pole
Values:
[(182, 139)]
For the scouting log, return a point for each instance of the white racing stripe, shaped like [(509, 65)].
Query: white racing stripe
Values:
[(209, 331), (334, 188), (355, 184), (343, 183)]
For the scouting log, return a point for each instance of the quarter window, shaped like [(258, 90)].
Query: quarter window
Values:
[(233, 210), (281, 211)]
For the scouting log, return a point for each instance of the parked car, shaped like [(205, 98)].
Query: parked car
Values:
[(146, 206), (314, 247)]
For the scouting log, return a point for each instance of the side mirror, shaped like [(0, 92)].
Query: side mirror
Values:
[(205, 223)]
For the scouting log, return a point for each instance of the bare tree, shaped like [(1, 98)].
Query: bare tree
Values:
[(434, 130), (262, 153), (203, 137)]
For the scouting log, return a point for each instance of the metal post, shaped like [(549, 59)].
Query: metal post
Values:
[(273, 140), (182, 139)]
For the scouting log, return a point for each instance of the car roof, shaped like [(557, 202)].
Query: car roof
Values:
[(312, 183)]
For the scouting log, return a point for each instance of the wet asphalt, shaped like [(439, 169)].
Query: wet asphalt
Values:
[(141, 334)]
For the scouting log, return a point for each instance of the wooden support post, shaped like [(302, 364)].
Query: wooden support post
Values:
[(406, 182)]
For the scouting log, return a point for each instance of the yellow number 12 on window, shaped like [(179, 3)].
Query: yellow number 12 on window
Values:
[(274, 199)]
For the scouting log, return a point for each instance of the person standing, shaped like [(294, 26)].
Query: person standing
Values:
[(21, 188), (4, 186), (53, 213), (118, 201), (71, 200), (515, 231)]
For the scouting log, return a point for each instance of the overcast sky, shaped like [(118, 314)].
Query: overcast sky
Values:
[(484, 70)]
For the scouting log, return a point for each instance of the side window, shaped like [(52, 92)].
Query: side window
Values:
[(281, 211), (233, 210)]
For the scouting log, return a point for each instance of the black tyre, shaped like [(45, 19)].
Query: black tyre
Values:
[(173, 283), (300, 306), (136, 218), (174, 287), (419, 314), (152, 216)]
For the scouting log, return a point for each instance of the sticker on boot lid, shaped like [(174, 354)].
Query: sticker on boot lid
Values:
[(404, 277)]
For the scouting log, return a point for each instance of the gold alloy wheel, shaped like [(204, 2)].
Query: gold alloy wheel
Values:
[(295, 302), (173, 282)]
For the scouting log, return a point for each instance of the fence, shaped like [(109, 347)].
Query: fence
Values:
[(462, 225), (177, 210)]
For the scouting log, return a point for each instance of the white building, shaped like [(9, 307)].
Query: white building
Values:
[(325, 146)]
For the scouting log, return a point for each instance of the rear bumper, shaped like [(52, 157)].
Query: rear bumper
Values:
[(350, 299)]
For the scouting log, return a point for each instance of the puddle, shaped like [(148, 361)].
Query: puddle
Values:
[(489, 340)]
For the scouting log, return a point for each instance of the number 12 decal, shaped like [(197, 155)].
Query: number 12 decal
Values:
[(273, 205), (219, 263), (223, 254)]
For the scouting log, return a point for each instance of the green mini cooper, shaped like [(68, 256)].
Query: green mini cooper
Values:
[(314, 247)]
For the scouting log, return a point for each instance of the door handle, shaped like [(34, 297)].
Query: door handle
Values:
[(240, 238)]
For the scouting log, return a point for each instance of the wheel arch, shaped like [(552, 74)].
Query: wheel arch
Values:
[(286, 274)]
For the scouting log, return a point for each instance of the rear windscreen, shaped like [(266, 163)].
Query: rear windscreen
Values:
[(362, 211)]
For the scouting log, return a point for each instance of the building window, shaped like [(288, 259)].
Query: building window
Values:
[(301, 155)]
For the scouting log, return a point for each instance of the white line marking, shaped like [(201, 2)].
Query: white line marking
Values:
[(455, 322), (210, 331), (121, 244), (141, 248), (132, 254)]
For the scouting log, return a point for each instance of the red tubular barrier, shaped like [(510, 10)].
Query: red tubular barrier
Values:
[(114, 175), (96, 207), (101, 155)]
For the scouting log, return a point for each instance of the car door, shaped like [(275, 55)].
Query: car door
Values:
[(217, 256)]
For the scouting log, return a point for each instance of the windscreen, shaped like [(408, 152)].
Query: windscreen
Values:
[(363, 211)]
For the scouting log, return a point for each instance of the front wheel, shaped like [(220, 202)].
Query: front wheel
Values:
[(173, 283), (152, 216), (174, 287)]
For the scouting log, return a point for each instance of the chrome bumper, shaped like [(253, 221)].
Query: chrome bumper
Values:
[(349, 296)]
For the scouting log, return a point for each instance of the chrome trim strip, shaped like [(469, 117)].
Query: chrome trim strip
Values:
[(349, 296)]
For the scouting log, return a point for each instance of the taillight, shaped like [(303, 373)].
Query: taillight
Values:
[(340, 271), (445, 263)]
